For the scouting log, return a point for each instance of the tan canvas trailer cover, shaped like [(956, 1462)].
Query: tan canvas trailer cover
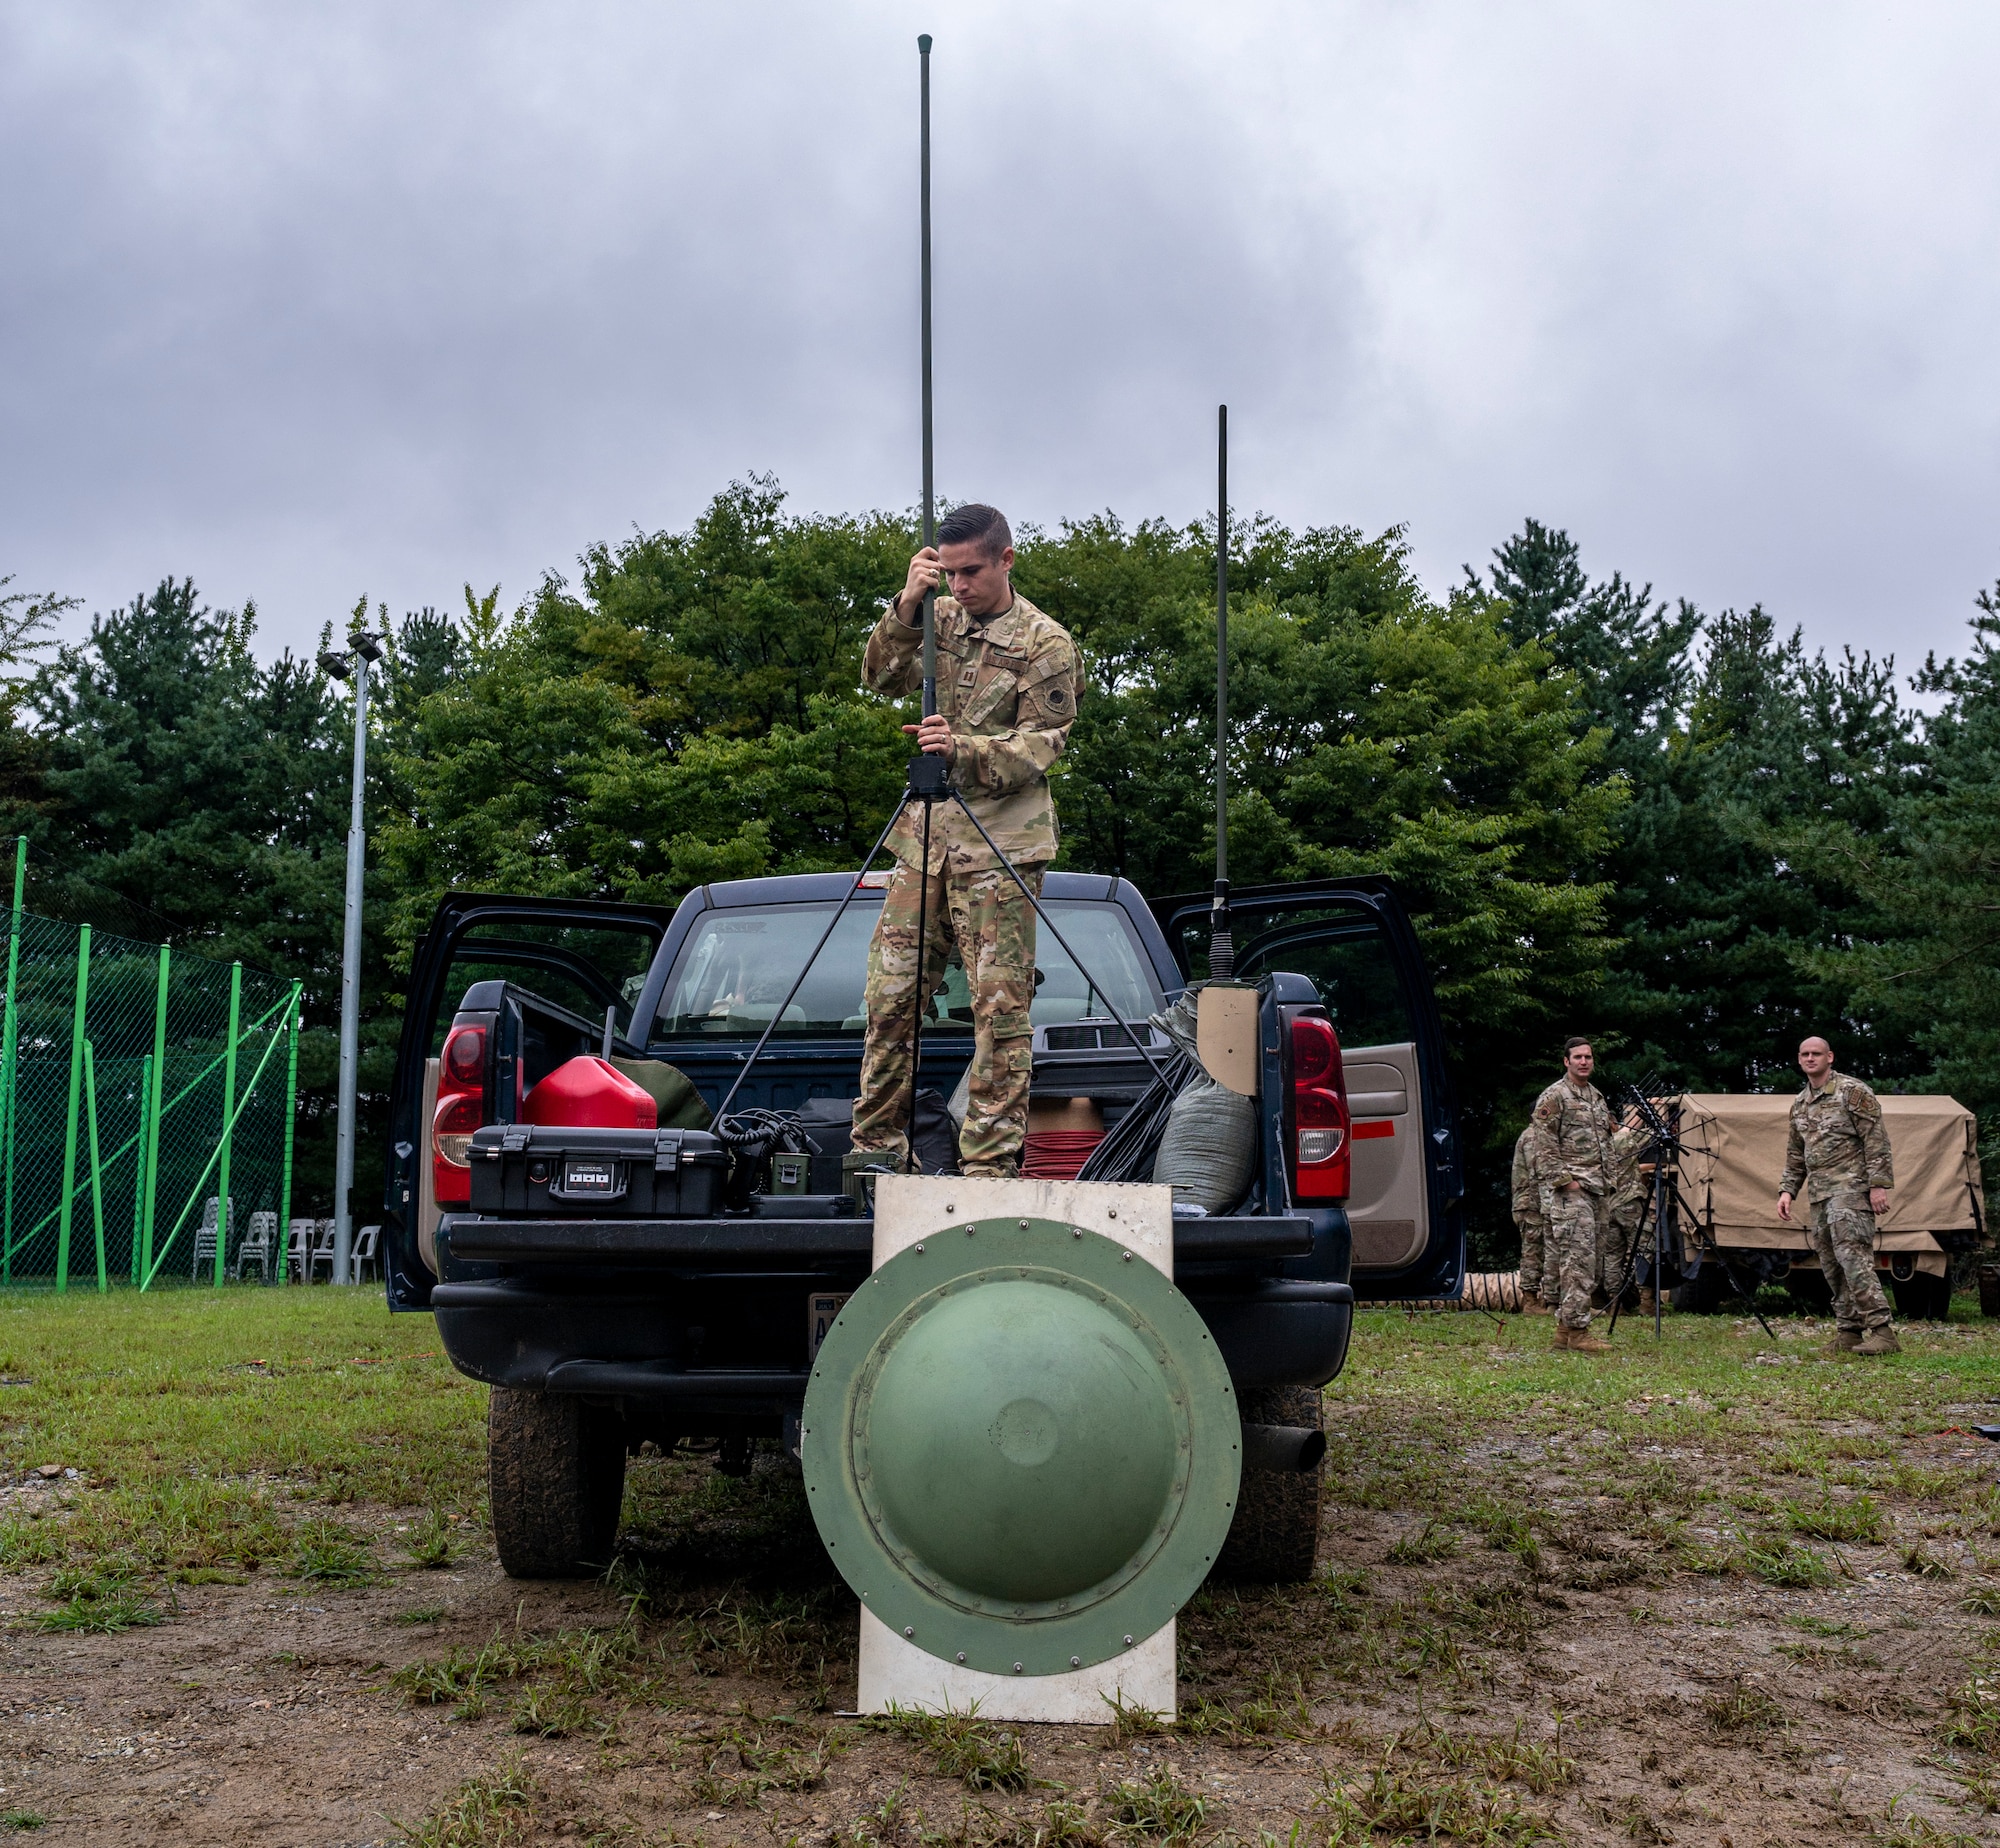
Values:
[(1735, 1157)]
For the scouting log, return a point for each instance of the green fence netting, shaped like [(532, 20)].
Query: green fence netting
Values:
[(146, 1108)]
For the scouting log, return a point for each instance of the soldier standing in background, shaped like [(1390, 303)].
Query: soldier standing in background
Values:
[(1625, 1200), (1533, 1228), (1839, 1152), (1007, 688), (1572, 1125)]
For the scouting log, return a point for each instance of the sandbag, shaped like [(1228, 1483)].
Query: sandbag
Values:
[(1208, 1153)]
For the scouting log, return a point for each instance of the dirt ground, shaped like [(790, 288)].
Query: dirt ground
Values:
[(1553, 1605)]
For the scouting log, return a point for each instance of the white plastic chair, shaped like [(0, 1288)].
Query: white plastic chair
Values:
[(256, 1247), (366, 1243), (298, 1250), (322, 1249), (204, 1239)]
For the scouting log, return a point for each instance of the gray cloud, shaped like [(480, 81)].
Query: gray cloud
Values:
[(306, 302)]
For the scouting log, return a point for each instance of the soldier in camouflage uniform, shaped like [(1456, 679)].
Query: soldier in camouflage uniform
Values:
[(1528, 1221), (1572, 1125), (1625, 1201), (1008, 677), (1839, 1152)]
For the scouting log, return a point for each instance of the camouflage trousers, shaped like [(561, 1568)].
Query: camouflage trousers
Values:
[(1621, 1221), (1534, 1254), (1576, 1235), (1842, 1235), (991, 921)]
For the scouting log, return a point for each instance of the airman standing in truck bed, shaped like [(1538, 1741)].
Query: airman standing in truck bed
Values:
[(1008, 681), (1573, 1158), (1839, 1153)]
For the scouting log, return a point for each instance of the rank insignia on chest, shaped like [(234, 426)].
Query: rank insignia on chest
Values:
[(968, 674)]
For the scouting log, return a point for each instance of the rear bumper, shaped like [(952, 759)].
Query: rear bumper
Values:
[(709, 1321)]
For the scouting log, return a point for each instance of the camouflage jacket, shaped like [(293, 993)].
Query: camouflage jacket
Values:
[(1838, 1143), (1572, 1125), (1623, 1182), (1527, 1196), (1009, 686)]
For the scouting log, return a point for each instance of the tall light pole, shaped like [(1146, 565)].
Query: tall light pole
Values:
[(363, 649)]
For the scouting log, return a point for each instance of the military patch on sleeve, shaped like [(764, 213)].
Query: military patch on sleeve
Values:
[(1056, 698)]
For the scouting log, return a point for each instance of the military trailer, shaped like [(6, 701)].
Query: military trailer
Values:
[(1733, 1157)]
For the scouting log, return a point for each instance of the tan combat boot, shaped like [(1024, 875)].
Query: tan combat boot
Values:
[(1845, 1341), (1531, 1304), (1580, 1341), (1645, 1302), (1882, 1341)]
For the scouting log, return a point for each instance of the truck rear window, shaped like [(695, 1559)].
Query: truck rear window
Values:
[(737, 964)]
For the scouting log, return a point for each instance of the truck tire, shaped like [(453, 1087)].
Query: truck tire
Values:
[(1275, 1536), (1922, 1298), (1703, 1293), (556, 1476), (1809, 1292)]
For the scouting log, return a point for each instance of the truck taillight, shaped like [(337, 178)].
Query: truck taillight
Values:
[(461, 1108), (1319, 1110)]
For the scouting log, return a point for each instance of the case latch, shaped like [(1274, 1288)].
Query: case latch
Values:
[(666, 1151)]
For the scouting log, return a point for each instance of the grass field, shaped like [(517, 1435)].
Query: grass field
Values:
[(1718, 1589)]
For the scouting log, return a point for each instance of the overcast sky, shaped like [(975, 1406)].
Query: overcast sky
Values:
[(311, 301)]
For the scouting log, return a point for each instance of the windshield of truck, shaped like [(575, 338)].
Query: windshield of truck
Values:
[(736, 966)]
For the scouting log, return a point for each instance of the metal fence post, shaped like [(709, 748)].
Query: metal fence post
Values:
[(96, 1161), (153, 1114), (228, 1120), (291, 1110), (10, 1058), (139, 1161), (75, 1100)]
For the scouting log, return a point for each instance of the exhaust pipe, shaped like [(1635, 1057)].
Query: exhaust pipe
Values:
[(1283, 1450)]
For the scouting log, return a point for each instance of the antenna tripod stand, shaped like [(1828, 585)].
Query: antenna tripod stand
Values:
[(928, 785), (1667, 1152)]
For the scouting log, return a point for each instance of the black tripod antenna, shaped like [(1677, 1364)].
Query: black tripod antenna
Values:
[(924, 269)]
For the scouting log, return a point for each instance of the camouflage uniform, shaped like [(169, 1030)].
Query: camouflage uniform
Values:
[(1008, 685), (1573, 1134), (1528, 1220), (1838, 1150), (1625, 1203)]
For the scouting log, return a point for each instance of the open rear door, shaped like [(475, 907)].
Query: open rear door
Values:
[(1352, 940), (584, 956)]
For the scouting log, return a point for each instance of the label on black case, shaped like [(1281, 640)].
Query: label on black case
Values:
[(589, 1177)]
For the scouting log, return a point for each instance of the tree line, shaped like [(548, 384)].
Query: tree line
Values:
[(1609, 812)]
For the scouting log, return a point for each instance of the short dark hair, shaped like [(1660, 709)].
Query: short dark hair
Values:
[(976, 524), (1573, 1042)]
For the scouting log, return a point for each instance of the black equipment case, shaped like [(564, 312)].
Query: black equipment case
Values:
[(546, 1172)]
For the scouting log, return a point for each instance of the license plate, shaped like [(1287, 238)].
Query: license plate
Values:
[(590, 1177), (821, 1307)]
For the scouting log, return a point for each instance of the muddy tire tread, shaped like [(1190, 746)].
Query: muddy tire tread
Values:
[(556, 1479), (1274, 1538)]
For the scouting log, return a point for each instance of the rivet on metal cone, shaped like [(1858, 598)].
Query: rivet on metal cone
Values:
[(1128, 1642), (961, 1655), (1017, 1668), (908, 1630), (1076, 1661)]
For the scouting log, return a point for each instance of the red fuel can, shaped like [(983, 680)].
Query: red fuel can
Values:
[(589, 1093)]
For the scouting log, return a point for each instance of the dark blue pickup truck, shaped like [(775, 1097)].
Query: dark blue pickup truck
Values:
[(697, 1330)]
